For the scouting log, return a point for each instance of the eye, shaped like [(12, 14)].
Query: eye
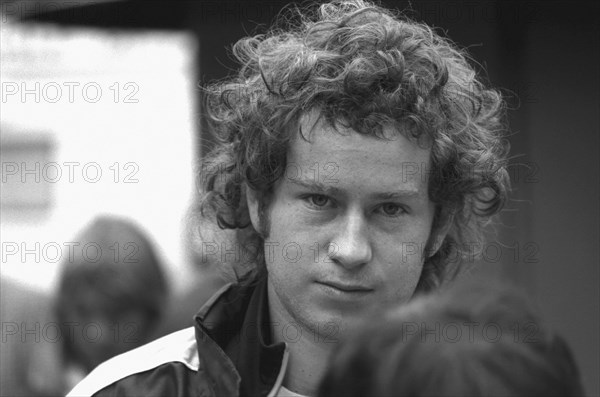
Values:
[(392, 210), (318, 200)]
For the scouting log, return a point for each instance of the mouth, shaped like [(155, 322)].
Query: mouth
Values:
[(348, 288)]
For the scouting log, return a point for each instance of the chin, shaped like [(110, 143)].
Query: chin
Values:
[(328, 326)]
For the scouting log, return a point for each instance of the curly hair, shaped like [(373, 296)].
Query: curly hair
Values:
[(365, 67)]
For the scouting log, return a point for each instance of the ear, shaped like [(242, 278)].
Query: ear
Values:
[(437, 237), (252, 202)]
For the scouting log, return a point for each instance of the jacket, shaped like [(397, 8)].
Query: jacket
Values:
[(228, 352)]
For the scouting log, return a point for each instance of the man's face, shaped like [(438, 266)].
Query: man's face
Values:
[(348, 225)]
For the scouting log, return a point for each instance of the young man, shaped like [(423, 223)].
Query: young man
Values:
[(359, 157)]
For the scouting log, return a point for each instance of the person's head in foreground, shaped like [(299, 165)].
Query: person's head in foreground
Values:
[(111, 292), (472, 340)]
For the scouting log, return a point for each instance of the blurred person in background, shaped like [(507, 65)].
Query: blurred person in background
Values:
[(471, 340), (110, 299), (111, 295)]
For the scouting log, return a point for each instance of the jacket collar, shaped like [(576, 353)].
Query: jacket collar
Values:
[(233, 333)]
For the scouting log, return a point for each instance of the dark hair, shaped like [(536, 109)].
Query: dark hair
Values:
[(363, 66), (113, 270), (502, 348)]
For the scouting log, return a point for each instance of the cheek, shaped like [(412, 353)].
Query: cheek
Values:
[(285, 247), (406, 247), (285, 259), (401, 259), (400, 280)]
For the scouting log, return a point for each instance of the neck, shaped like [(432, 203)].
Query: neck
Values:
[(308, 354)]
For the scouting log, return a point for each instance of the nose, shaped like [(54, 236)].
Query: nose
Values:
[(351, 247)]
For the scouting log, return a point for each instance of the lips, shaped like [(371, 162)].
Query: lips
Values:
[(346, 287)]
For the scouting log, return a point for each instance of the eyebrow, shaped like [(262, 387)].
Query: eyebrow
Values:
[(331, 190), (315, 185), (397, 195)]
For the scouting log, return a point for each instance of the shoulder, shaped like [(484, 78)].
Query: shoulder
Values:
[(178, 349)]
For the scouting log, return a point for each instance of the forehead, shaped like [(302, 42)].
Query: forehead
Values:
[(340, 155)]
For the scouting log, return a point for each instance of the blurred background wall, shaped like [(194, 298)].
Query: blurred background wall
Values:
[(93, 122), (543, 55)]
